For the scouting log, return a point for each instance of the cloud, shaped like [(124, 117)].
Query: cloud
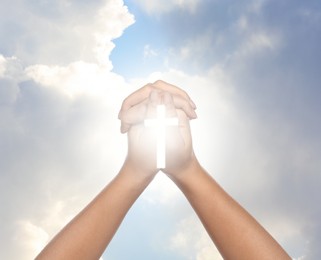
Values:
[(47, 140), (29, 237), (255, 80), (2, 65), (160, 7), (149, 52), (62, 31), (191, 239), (79, 78), (59, 102), (272, 155)]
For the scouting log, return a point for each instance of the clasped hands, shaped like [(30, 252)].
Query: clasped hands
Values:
[(142, 141)]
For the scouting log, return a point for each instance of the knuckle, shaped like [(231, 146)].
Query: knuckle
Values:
[(124, 104), (148, 86), (184, 94), (159, 82)]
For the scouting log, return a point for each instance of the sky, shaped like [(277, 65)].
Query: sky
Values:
[(251, 66)]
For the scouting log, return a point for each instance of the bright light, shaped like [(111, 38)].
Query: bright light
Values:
[(160, 124)]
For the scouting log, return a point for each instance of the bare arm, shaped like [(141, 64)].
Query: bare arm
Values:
[(234, 231), (88, 234)]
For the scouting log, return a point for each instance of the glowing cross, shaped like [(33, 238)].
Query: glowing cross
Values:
[(160, 123)]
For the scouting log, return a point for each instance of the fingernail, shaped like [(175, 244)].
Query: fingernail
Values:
[(194, 115)]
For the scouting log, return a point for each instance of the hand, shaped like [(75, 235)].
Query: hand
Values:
[(179, 149), (142, 143), (133, 109)]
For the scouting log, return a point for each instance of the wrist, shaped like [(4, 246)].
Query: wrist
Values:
[(188, 170), (137, 173)]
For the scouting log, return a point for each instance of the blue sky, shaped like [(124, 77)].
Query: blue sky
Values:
[(252, 67)]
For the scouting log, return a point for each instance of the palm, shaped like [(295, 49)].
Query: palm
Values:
[(142, 148), (143, 145)]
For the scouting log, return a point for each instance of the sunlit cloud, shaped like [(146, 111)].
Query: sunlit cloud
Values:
[(251, 68), (79, 78), (191, 240), (158, 7), (149, 52)]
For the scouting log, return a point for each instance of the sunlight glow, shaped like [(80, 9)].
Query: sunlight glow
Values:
[(160, 124)]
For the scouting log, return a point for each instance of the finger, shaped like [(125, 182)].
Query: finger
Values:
[(172, 89), (181, 103), (155, 99), (144, 92), (172, 111), (133, 116), (136, 113), (136, 97), (124, 128), (169, 103), (180, 97)]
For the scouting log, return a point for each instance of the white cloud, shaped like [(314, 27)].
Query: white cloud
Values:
[(2, 65), (197, 46), (158, 7), (11, 68), (29, 238), (192, 241), (242, 23), (47, 140), (61, 32), (111, 21), (58, 110), (162, 191), (258, 42), (80, 78), (149, 52), (255, 6), (67, 117), (59, 102)]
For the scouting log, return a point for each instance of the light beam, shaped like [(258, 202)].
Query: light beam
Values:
[(160, 124)]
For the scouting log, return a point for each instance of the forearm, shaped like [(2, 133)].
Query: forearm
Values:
[(236, 233), (88, 234)]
